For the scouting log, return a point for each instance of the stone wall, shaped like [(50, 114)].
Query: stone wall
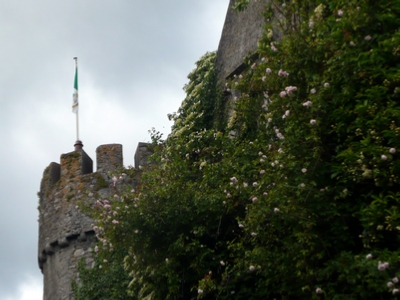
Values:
[(241, 32), (65, 232)]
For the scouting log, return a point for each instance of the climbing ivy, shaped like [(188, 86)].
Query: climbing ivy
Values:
[(297, 196)]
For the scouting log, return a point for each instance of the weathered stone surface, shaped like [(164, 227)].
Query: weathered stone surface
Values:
[(65, 233), (239, 38), (142, 154)]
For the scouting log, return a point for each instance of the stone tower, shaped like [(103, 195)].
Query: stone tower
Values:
[(65, 233)]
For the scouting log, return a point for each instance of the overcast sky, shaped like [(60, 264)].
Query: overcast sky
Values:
[(133, 55)]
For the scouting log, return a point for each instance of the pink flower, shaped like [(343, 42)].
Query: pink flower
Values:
[(290, 89), (367, 38), (326, 84), (383, 266), (283, 73), (282, 94), (392, 150), (318, 290), (268, 70), (395, 291), (395, 280), (389, 284), (307, 103), (115, 222)]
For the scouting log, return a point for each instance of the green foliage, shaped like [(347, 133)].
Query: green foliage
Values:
[(106, 280), (297, 198)]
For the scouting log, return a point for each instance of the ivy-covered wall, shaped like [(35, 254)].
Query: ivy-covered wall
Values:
[(296, 196)]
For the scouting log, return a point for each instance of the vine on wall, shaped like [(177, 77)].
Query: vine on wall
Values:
[(298, 195)]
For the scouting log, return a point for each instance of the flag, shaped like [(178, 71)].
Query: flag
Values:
[(75, 94)]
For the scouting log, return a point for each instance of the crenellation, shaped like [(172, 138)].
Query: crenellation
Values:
[(109, 158), (142, 154)]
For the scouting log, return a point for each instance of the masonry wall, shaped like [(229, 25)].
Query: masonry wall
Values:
[(65, 232), (240, 34)]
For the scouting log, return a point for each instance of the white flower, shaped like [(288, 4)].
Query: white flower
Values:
[(352, 44), (200, 291), (395, 280), (166, 260), (313, 122), (383, 266), (302, 185), (369, 256), (383, 157), (262, 172), (304, 170), (395, 291), (252, 268), (313, 91), (307, 103), (245, 184), (390, 284), (276, 209), (268, 70), (287, 113), (282, 94), (234, 180), (255, 184), (253, 234), (392, 150), (241, 225), (254, 199), (367, 38), (340, 12), (318, 291), (326, 84), (222, 263)]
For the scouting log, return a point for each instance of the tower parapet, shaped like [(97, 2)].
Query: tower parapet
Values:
[(65, 233)]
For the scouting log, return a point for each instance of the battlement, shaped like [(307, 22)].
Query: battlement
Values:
[(65, 233)]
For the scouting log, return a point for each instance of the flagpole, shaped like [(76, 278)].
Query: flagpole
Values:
[(76, 100)]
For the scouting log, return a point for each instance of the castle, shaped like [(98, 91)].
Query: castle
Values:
[(65, 233)]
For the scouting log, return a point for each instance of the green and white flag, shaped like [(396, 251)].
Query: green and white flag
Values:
[(75, 102)]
